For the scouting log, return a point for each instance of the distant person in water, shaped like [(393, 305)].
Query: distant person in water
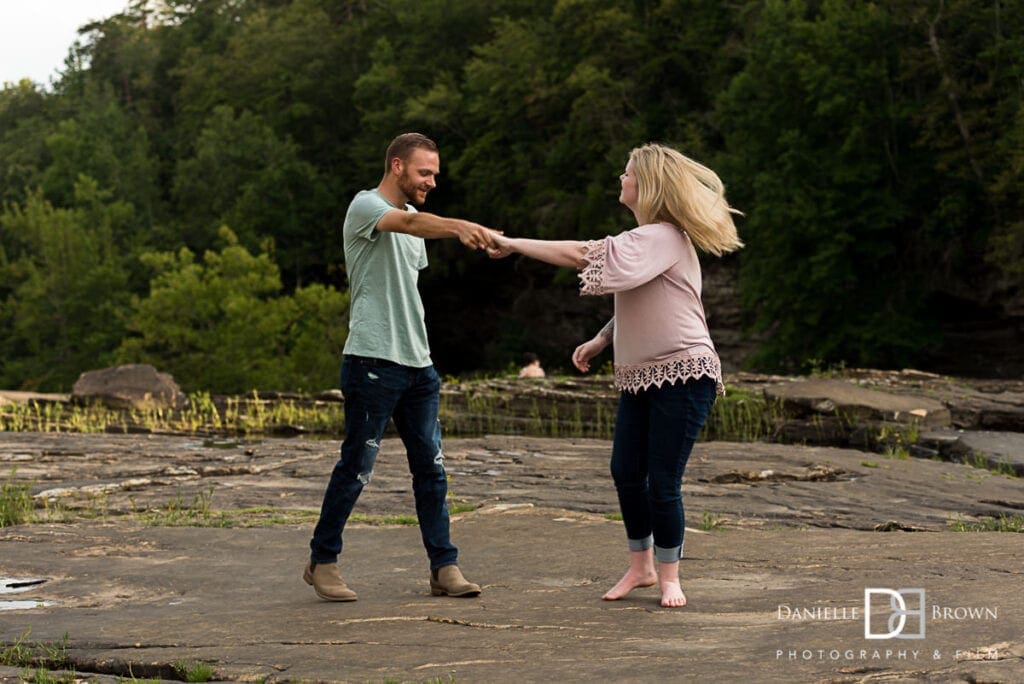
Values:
[(386, 371), (666, 366), (531, 366)]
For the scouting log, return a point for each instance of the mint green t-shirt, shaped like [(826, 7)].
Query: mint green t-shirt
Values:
[(385, 311)]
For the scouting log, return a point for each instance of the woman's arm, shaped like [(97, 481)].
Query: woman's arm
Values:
[(555, 252), (594, 346)]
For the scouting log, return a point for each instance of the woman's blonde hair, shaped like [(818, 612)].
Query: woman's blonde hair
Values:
[(678, 190)]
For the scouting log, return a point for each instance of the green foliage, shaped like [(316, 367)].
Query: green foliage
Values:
[(875, 148), (15, 502), (742, 416), (43, 655), (862, 188), (193, 670), (64, 287), (103, 142), (223, 324), (243, 176), (709, 522), (808, 123), (1004, 523), (26, 120)]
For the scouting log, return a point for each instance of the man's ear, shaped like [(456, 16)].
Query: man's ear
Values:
[(396, 166)]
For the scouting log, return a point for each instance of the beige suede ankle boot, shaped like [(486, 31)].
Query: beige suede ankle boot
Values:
[(325, 578), (448, 581)]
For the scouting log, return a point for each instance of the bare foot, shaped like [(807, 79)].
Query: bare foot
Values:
[(672, 595), (631, 580), (668, 577)]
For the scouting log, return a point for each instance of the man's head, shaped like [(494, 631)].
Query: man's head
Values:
[(413, 163)]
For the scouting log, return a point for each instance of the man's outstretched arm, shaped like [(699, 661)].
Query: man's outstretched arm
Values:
[(431, 226)]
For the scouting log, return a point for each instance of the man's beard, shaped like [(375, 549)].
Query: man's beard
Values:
[(411, 190)]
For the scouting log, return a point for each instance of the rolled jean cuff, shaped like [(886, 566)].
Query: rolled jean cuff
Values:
[(641, 544), (668, 555)]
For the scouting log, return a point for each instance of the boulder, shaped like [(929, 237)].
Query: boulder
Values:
[(132, 386)]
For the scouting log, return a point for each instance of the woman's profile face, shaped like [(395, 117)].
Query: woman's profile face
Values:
[(628, 193)]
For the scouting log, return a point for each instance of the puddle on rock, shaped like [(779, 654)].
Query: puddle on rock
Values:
[(27, 604), (16, 585)]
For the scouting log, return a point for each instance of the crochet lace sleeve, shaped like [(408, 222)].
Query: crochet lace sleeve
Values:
[(592, 275)]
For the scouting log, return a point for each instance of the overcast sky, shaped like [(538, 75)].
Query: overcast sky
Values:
[(35, 35)]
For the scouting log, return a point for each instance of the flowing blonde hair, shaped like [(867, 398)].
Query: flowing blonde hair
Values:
[(673, 188)]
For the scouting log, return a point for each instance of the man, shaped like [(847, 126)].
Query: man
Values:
[(386, 371)]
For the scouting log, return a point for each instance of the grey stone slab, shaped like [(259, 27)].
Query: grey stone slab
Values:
[(847, 399), (787, 527), (999, 451), (764, 605)]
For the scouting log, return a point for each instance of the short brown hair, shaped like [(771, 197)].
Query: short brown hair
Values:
[(403, 145)]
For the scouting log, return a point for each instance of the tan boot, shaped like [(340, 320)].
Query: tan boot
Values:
[(448, 581), (325, 578)]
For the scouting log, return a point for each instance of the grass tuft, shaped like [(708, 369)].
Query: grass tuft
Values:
[(1004, 523), (15, 502), (193, 670)]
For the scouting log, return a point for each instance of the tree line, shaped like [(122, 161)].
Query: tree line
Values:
[(176, 195)]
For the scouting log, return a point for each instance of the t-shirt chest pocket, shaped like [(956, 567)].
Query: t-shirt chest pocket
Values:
[(409, 251)]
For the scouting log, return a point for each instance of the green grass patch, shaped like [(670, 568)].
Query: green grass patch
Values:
[(244, 415), (193, 670), (43, 676), (869, 464), (893, 441), (898, 453), (384, 519), (43, 655), (454, 508), (466, 409), (1004, 523), (709, 522), (742, 416), (981, 462), (15, 502)]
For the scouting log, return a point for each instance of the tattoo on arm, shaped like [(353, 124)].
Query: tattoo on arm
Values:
[(608, 331)]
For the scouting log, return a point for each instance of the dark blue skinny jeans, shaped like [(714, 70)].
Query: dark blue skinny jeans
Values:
[(376, 391), (655, 430)]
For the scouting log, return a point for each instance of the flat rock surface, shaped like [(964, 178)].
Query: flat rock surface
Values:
[(1002, 451), (748, 484), (776, 579), (829, 396)]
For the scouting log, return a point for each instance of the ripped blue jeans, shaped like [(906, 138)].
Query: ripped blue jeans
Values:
[(375, 391)]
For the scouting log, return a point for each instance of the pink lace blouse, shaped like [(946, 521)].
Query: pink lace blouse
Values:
[(661, 333)]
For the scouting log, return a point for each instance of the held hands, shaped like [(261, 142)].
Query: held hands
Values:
[(586, 351), (475, 236), (501, 248)]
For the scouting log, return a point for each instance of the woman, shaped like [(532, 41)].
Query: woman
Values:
[(666, 366)]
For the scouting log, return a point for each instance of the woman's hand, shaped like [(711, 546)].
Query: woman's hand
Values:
[(586, 351), (501, 247)]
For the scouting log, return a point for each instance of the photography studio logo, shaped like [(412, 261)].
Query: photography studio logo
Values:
[(900, 612)]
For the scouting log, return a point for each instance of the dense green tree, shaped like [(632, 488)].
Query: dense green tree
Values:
[(101, 141), (810, 126), (222, 323), (242, 175), (64, 286), (875, 148), (26, 121)]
